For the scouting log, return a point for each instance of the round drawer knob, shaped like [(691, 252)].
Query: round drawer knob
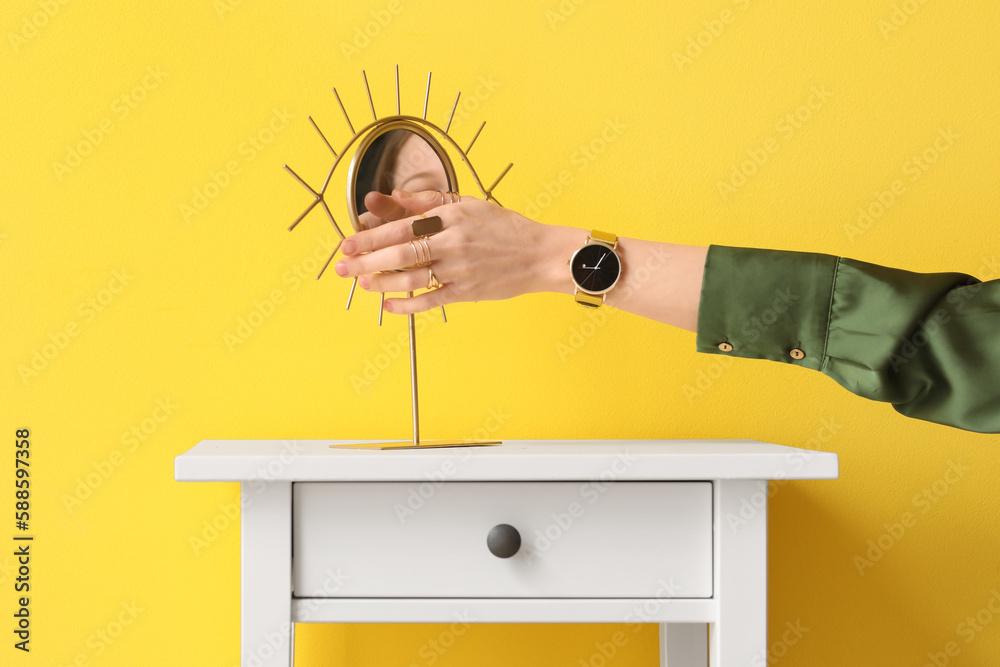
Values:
[(503, 541)]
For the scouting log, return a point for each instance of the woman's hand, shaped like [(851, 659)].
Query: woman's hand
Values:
[(484, 252), (381, 209)]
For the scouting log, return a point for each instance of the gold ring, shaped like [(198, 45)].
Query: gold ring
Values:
[(427, 226), (418, 260), (421, 253), (423, 215), (432, 281)]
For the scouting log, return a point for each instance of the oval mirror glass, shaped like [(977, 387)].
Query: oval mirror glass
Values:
[(399, 155)]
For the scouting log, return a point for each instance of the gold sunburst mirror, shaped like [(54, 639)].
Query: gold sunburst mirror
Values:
[(396, 151)]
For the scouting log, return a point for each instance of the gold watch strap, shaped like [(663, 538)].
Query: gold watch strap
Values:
[(589, 300), (596, 300), (603, 237)]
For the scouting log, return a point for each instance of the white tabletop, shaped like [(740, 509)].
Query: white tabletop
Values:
[(514, 460)]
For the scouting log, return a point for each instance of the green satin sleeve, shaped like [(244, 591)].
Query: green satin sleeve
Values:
[(928, 343)]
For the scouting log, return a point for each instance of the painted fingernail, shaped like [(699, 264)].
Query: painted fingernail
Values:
[(341, 268), (387, 307), (363, 281), (349, 247)]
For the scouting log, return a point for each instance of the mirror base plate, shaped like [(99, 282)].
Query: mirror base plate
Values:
[(423, 444)]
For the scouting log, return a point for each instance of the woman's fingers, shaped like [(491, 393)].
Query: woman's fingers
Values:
[(397, 281), (394, 231), (424, 201), (369, 220), (387, 259), (377, 254), (384, 206), (382, 209), (418, 202), (383, 236), (420, 302)]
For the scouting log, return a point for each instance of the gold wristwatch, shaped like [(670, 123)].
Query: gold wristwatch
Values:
[(595, 268)]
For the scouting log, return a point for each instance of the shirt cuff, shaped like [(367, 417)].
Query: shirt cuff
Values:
[(766, 304)]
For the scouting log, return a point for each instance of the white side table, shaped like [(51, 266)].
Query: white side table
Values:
[(595, 531)]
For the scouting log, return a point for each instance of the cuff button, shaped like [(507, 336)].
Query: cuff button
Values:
[(725, 347), (797, 354)]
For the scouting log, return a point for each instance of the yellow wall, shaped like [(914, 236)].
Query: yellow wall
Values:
[(132, 300)]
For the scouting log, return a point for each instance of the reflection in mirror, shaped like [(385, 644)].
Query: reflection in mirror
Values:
[(396, 159)]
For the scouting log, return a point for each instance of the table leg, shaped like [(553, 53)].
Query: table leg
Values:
[(266, 574), (683, 645), (739, 637)]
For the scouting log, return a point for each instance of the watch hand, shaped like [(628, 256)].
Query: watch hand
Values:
[(598, 265)]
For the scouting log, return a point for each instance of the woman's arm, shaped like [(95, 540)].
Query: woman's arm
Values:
[(487, 252), (929, 344)]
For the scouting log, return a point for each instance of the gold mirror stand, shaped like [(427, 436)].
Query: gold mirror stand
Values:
[(424, 128)]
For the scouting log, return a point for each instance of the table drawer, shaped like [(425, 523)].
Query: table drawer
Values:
[(578, 539)]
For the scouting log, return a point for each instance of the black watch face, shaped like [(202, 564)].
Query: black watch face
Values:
[(595, 268)]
